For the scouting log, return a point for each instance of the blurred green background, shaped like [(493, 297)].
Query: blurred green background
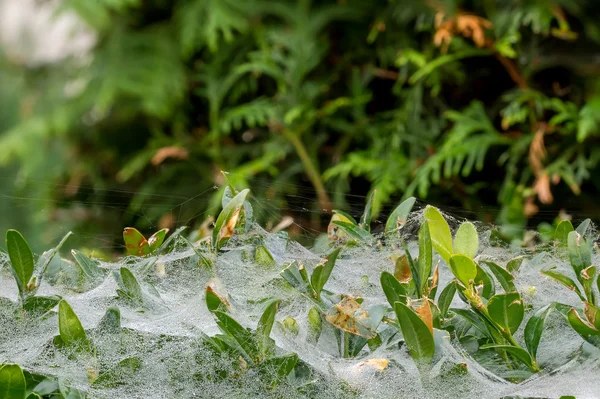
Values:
[(119, 113)]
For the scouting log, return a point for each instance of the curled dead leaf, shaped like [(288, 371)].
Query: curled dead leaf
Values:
[(349, 316), (377, 364), (229, 227), (423, 310), (164, 153)]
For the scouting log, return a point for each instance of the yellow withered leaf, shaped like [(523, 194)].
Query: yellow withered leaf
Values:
[(349, 316), (377, 364), (423, 310), (229, 227), (402, 269)]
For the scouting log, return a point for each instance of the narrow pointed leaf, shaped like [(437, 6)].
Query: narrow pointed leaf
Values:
[(439, 230), (502, 275), (276, 369), (132, 287), (215, 300), (416, 334), (425, 260), (564, 280), (355, 232), (12, 382), (243, 337), (535, 327), (225, 224), (466, 240), (399, 215), (70, 328), (507, 310), (322, 272), (580, 253), (473, 318), (446, 297), (393, 290), (111, 321), (21, 259), (47, 256), (365, 219), (583, 226), (263, 330), (583, 328), (38, 305), (296, 276), (485, 281), (88, 265), (463, 268), (517, 352)]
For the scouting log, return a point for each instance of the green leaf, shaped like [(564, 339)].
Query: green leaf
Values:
[(507, 310), (88, 265), (425, 260), (131, 285), (322, 272), (463, 268), (69, 392), (111, 321), (474, 319), (592, 314), (70, 328), (263, 330), (517, 352), (484, 280), (242, 336), (215, 301), (12, 382), (315, 324), (466, 240), (262, 256), (276, 369), (47, 256), (355, 232), (365, 219), (135, 242), (296, 276), (21, 259), (156, 239), (584, 329), (440, 232), (580, 253), (399, 215), (393, 290), (562, 231), (345, 217), (583, 226), (413, 270), (446, 297), (535, 327), (225, 224), (39, 305), (417, 335), (564, 280), (33, 395), (504, 277), (119, 374)]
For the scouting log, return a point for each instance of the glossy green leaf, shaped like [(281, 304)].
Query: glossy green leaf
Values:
[(263, 330), (562, 233), (399, 215), (135, 242), (21, 259), (466, 240), (505, 279), (242, 336), (393, 290), (70, 328), (416, 334), (355, 232), (439, 230), (263, 257), (322, 272), (276, 369), (507, 310), (225, 224), (535, 327), (12, 382), (463, 268), (425, 261), (564, 280), (156, 239), (583, 328), (88, 265), (517, 352), (446, 297)]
